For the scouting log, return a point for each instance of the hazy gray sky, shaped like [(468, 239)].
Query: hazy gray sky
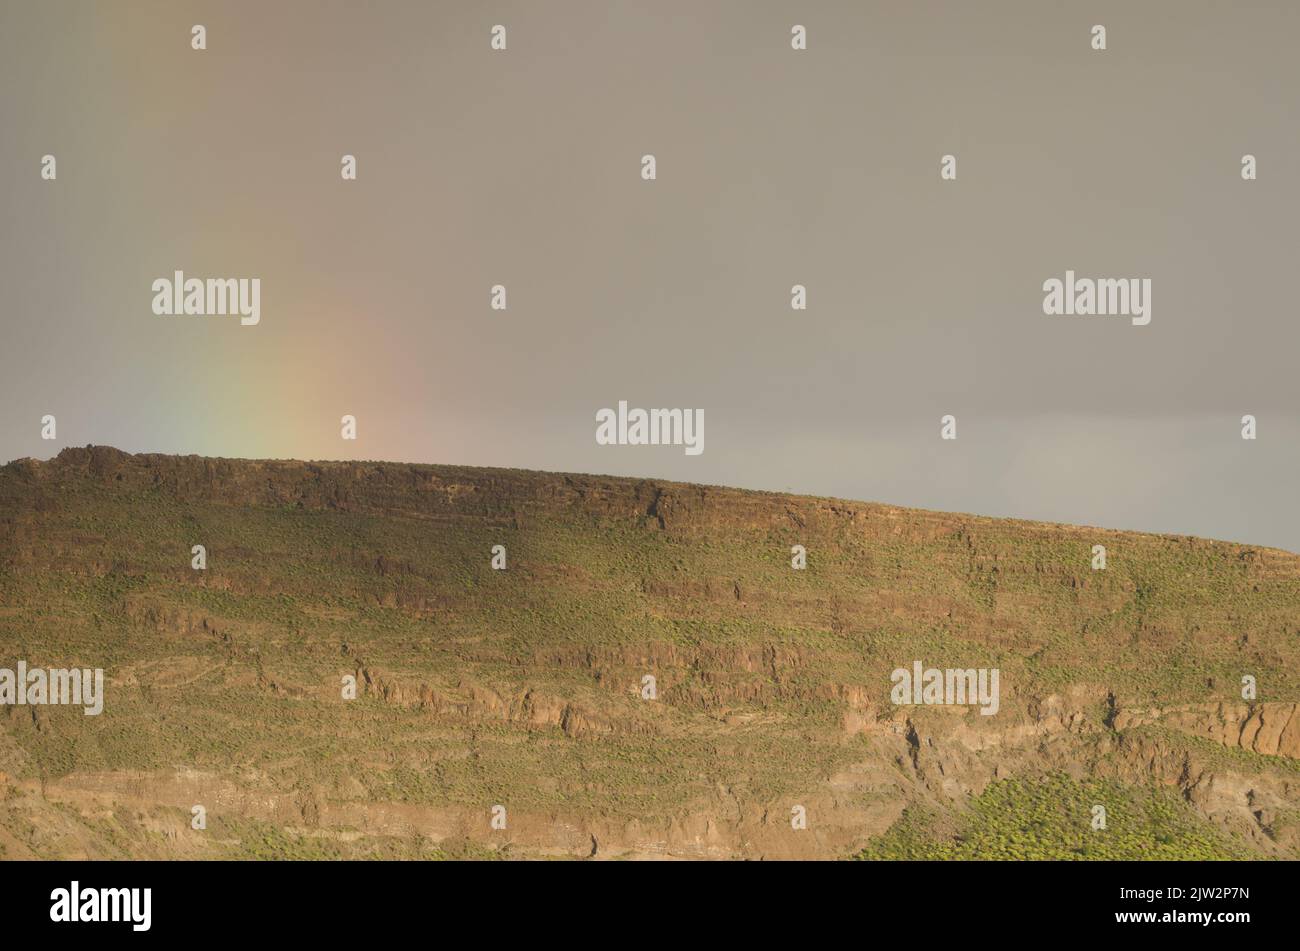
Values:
[(775, 167)]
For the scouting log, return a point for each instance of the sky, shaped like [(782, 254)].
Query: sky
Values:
[(774, 167)]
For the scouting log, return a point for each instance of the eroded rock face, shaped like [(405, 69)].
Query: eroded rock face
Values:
[(1270, 729), (525, 687)]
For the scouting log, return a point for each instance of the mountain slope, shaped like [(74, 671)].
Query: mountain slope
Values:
[(523, 688)]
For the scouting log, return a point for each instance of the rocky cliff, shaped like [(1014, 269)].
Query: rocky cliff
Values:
[(647, 676)]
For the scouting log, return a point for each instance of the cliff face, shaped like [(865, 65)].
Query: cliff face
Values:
[(527, 688)]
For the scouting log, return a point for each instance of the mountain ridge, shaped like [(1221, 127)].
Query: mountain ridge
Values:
[(525, 688), (98, 459)]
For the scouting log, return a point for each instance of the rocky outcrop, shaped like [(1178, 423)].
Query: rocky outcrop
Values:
[(1270, 729)]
